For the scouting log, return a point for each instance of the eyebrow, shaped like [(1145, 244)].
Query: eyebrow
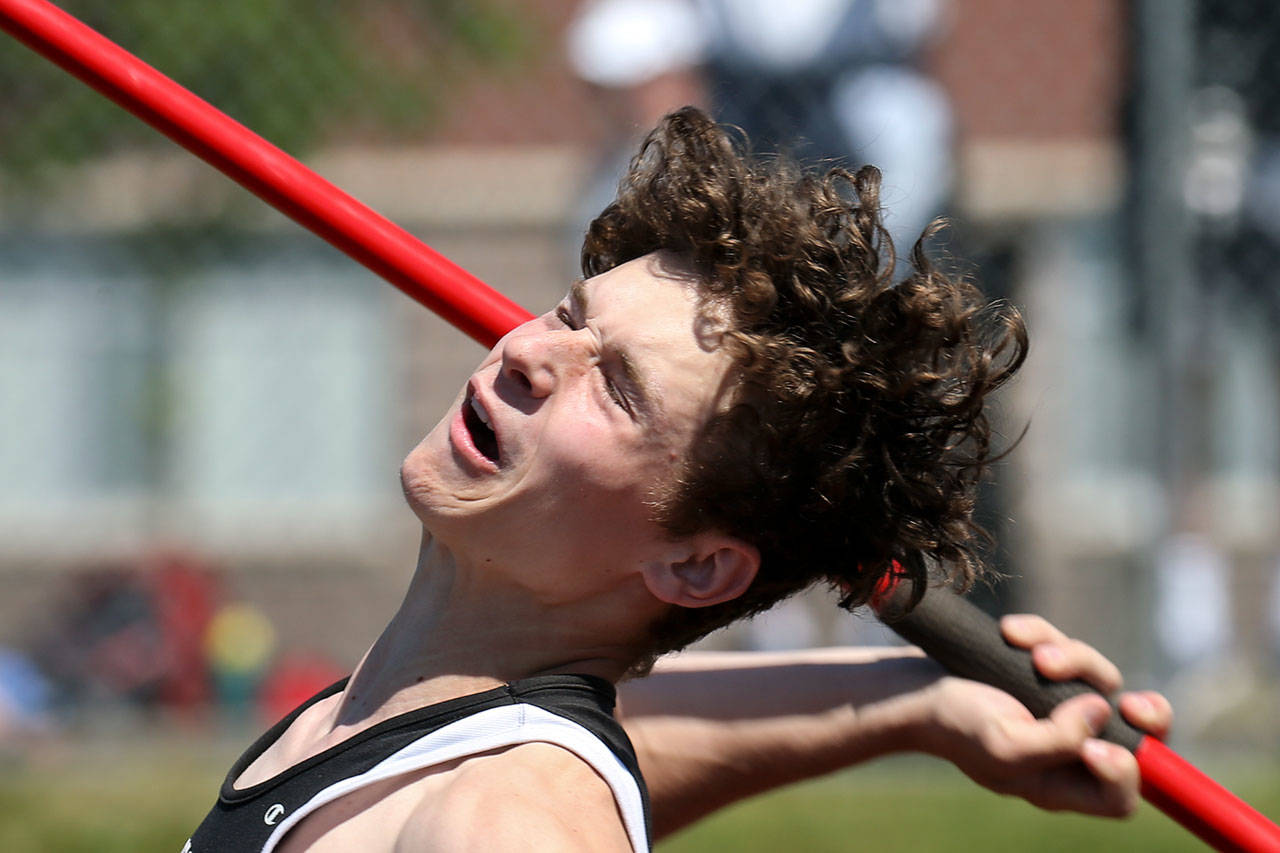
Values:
[(646, 394)]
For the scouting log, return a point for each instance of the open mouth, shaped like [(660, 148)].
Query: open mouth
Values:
[(476, 420)]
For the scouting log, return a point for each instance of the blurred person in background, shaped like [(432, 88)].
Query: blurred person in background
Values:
[(830, 80), (722, 412)]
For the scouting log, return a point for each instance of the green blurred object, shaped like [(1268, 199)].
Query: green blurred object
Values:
[(165, 787), (915, 804), (296, 71)]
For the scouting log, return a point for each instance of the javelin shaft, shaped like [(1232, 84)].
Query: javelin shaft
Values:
[(262, 168), (467, 303), (1221, 819)]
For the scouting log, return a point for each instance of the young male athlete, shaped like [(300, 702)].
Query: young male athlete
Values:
[(738, 401)]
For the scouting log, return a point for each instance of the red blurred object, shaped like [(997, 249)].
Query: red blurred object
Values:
[(186, 595), (293, 680)]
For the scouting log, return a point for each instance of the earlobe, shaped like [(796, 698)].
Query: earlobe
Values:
[(710, 569)]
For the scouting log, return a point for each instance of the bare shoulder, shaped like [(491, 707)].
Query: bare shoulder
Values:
[(534, 796)]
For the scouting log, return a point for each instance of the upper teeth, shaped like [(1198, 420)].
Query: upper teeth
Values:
[(480, 412)]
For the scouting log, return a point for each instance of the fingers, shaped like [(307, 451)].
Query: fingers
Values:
[(1104, 782), (1027, 629), (1078, 771), (1149, 711), (1059, 657), (1069, 659), (1058, 738), (1070, 767)]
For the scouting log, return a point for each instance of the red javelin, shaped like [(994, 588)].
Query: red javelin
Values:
[(944, 625), (262, 168)]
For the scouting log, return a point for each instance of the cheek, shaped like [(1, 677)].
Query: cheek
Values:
[(597, 455)]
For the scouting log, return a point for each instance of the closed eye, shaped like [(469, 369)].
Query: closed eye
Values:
[(616, 395), (565, 316)]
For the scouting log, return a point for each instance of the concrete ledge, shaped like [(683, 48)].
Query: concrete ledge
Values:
[(417, 187), (1002, 179), (510, 186)]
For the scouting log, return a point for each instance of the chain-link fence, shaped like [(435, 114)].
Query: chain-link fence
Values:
[(188, 380)]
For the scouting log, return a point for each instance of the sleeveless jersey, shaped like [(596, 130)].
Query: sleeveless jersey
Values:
[(571, 711)]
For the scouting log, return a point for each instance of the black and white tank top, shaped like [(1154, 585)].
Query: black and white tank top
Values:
[(571, 711)]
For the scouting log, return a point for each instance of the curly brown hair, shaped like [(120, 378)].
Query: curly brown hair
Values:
[(856, 436)]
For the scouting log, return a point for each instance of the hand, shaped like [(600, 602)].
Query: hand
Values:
[(1054, 763)]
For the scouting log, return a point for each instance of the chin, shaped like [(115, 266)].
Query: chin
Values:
[(413, 492), (416, 478)]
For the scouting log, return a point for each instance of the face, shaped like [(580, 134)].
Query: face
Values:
[(549, 458)]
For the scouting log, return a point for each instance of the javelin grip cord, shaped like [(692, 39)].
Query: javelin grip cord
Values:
[(943, 625)]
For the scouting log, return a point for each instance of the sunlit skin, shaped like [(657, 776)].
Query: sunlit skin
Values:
[(585, 444)]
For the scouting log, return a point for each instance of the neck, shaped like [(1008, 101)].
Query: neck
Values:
[(459, 632)]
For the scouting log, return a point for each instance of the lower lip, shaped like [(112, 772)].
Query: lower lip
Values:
[(460, 438)]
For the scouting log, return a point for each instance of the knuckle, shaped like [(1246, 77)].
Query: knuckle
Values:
[(999, 746), (1072, 722)]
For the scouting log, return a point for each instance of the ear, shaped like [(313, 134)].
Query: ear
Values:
[(703, 570)]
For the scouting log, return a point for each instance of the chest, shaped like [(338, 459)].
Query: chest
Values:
[(369, 819)]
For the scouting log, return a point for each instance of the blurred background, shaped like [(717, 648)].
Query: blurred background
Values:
[(203, 408)]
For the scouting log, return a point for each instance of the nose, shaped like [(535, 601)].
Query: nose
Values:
[(537, 360)]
